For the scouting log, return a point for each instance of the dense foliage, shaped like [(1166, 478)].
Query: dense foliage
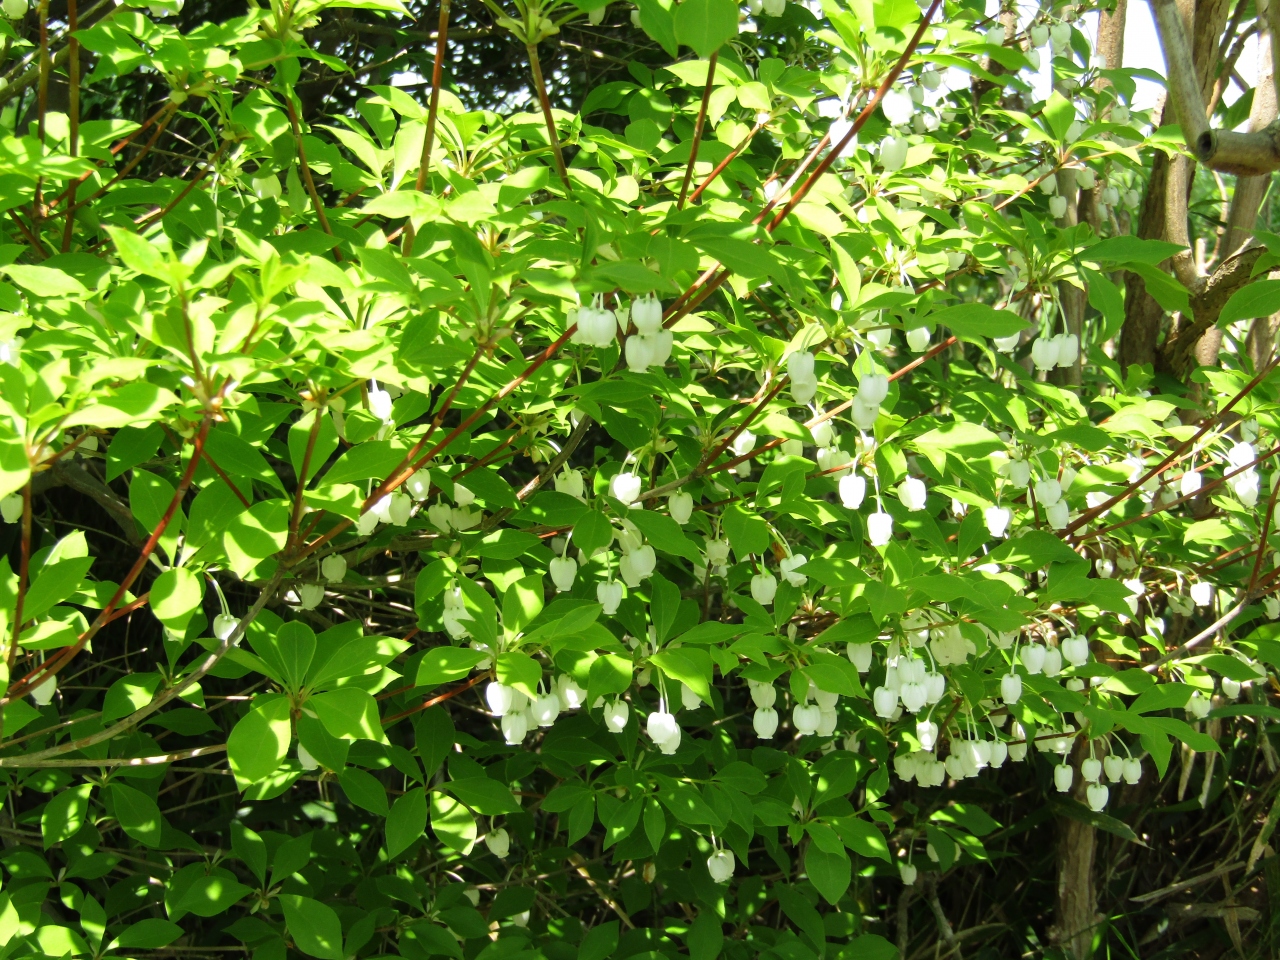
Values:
[(713, 521)]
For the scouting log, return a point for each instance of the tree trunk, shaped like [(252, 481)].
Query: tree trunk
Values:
[(1077, 895), (1166, 194)]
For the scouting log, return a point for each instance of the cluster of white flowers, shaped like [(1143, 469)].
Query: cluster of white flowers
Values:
[(519, 714), (1058, 351)]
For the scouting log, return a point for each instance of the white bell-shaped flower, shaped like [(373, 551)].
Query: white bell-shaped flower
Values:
[(609, 593), (1010, 688), (914, 696), (997, 520), (380, 403), (927, 734), (499, 842), (764, 586), (893, 153), (1097, 795), (935, 685), (664, 731), (569, 692), (625, 486), (913, 493), (499, 697), (1044, 353), (765, 722), (515, 727), (545, 710), (1230, 688), (918, 339), (564, 570), (1202, 593), (224, 624), (1058, 515), (879, 528), (1075, 650), (805, 717), (1052, 665), (721, 863), (762, 694), (1063, 774), (680, 504), (1032, 657), (310, 595), (859, 655), (441, 516), (1132, 770), (638, 565), (824, 435), (1019, 473), (1090, 769), (333, 567), (1007, 344), (885, 702), (1057, 207), (999, 753), (1068, 343), (1113, 767), (1048, 492), (570, 481), (616, 713), (717, 553), (853, 490), (646, 314), (790, 566), (11, 508), (864, 414), (873, 388), (42, 693), (688, 699)]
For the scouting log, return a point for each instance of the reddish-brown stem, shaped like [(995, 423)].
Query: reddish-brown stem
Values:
[(135, 604), (1213, 484), (434, 700), (540, 86), (306, 167), (115, 150), (312, 436), (409, 467), (433, 110), (1173, 457), (1266, 529), (697, 128), (73, 110), (36, 245), (24, 563), (732, 156), (73, 205), (222, 475), (448, 401), (182, 195), (56, 662), (736, 432)]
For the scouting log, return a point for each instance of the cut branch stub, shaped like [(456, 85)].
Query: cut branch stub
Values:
[(1244, 154)]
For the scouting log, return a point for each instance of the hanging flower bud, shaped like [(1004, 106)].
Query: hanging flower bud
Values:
[(11, 508), (1011, 688), (1202, 593), (333, 567), (569, 692), (1113, 767), (1058, 515), (860, 656), (625, 487), (646, 314), (688, 699), (664, 731), (1044, 353), (1032, 657), (609, 593), (764, 586), (224, 624), (893, 153), (806, 717), (499, 697), (997, 520), (563, 572), (515, 727), (885, 702), (913, 493), (879, 528), (789, 568), (717, 553), (1132, 770), (1075, 650), (765, 722), (1063, 774), (545, 710), (873, 388), (721, 863), (616, 713), (1097, 795), (499, 843), (570, 481), (681, 506), (310, 595)]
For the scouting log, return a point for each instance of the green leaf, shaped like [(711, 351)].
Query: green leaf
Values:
[(175, 596), (747, 532), (599, 942), (348, 713), (593, 530), (830, 873), (706, 936), (519, 670), (664, 534), (975, 321), (862, 837), (45, 282), (678, 666), (656, 20), (1261, 298), (483, 795), (64, 815), (705, 25), (442, 664), (364, 790), (1059, 112), (452, 823), (609, 674), (150, 934), (56, 582), (406, 821), (314, 926), (138, 814), (256, 534), (259, 742), (210, 896)]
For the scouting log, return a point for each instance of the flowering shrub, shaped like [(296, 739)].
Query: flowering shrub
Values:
[(656, 528)]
